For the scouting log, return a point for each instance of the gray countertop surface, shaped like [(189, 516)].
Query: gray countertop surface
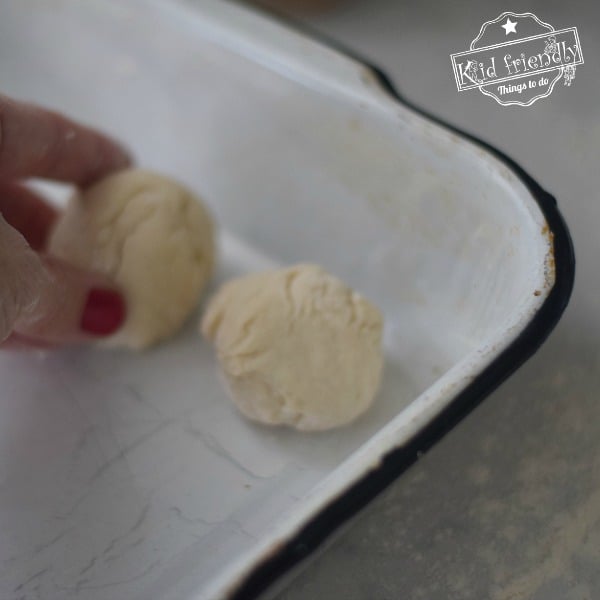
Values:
[(507, 505)]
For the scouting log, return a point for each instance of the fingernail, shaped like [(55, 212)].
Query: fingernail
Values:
[(104, 312), (122, 159)]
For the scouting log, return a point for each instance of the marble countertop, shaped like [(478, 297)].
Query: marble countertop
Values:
[(507, 506)]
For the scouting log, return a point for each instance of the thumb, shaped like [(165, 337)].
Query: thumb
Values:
[(50, 301)]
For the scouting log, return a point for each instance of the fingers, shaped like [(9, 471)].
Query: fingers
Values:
[(24, 210), (73, 306), (40, 143), (48, 302), (44, 301)]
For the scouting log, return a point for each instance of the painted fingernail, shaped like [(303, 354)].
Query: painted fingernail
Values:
[(104, 312)]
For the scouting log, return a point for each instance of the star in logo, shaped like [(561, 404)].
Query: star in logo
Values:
[(509, 26)]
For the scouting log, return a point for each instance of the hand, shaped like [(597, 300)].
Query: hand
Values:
[(44, 301)]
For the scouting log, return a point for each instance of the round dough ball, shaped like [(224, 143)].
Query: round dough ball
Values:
[(297, 347), (152, 237)]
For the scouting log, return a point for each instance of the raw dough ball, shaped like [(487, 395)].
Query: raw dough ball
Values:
[(151, 236), (297, 347)]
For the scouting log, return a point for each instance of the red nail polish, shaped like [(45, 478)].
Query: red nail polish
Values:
[(104, 312)]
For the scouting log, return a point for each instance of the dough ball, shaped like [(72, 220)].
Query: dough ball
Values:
[(297, 347), (150, 235)]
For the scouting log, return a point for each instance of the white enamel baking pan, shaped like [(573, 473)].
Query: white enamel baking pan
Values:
[(131, 475)]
